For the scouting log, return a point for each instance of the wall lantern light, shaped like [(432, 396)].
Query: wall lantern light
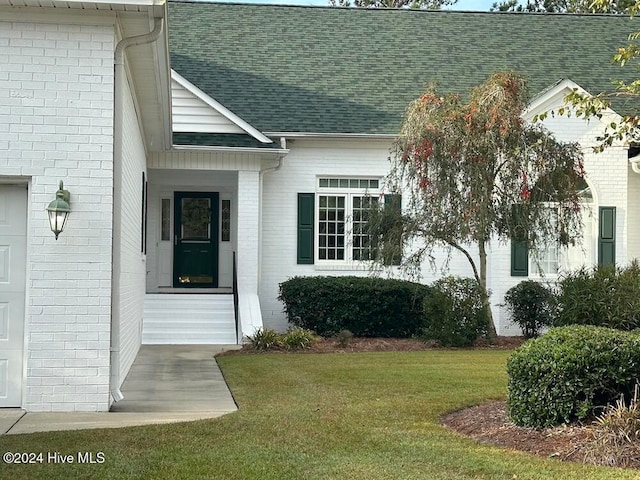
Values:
[(59, 210)]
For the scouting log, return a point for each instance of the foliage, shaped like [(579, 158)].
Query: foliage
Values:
[(603, 296), (563, 375), (561, 6), (616, 436), (454, 313), (367, 306), (425, 4), (298, 338), (344, 337), (293, 339), (585, 105), (475, 171), (531, 305), (264, 339)]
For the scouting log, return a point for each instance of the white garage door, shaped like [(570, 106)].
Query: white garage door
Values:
[(13, 247)]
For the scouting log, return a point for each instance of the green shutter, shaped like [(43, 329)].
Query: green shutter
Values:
[(607, 236), (519, 258), (394, 203), (519, 247), (306, 210)]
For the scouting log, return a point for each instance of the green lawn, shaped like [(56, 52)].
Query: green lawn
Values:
[(344, 416)]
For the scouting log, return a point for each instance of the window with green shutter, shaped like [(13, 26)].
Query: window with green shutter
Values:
[(306, 211), (519, 258), (607, 236)]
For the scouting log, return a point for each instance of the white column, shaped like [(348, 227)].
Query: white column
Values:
[(247, 251)]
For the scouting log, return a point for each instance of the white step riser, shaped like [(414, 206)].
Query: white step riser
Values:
[(188, 319)]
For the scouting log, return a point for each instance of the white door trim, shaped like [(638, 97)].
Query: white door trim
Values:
[(13, 270)]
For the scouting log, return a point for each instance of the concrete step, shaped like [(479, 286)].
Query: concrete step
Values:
[(172, 319)]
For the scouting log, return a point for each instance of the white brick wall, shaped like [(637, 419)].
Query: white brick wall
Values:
[(607, 172), (132, 270), (56, 88), (302, 165)]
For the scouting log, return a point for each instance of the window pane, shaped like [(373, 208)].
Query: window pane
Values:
[(226, 220), (331, 236), (166, 220), (344, 183), (196, 218), (324, 182), (547, 260), (360, 239), (333, 182)]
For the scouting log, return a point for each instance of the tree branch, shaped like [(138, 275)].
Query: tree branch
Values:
[(455, 245)]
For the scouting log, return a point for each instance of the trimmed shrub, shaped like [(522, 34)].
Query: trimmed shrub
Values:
[(563, 375), (366, 306), (604, 296), (453, 312), (531, 305)]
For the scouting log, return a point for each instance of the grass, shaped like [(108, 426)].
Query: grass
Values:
[(331, 416)]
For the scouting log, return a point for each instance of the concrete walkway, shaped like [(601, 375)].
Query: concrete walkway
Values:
[(167, 383)]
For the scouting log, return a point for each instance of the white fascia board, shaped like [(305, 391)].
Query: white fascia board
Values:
[(218, 107), (543, 102)]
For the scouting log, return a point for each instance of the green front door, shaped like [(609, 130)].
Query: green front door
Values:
[(195, 255)]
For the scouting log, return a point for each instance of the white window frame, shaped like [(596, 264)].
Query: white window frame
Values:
[(349, 193)]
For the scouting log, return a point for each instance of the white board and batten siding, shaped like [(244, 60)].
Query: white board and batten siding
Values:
[(13, 243)]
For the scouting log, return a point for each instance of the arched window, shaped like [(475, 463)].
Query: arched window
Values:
[(552, 258)]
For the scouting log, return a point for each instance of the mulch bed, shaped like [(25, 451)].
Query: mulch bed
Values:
[(331, 345), (489, 423)]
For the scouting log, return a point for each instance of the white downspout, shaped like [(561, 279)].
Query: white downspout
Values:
[(283, 146), (635, 164), (118, 106)]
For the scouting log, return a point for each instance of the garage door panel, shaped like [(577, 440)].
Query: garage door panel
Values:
[(13, 222)]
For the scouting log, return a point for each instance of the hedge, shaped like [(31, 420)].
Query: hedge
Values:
[(366, 306), (563, 375)]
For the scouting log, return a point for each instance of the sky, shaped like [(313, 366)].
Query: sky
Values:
[(469, 5)]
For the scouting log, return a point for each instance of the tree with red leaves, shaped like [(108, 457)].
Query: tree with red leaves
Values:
[(476, 172)]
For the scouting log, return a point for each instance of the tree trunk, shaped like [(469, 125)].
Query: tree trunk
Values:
[(491, 328)]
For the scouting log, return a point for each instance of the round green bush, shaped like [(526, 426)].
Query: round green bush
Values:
[(453, 312), (531, 306), (563, 375)]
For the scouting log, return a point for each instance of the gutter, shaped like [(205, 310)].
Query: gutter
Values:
[(211, 148), (364, 136), (119, 79)]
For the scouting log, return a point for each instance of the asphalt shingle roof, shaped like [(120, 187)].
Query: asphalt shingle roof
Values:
[(337, 70)]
